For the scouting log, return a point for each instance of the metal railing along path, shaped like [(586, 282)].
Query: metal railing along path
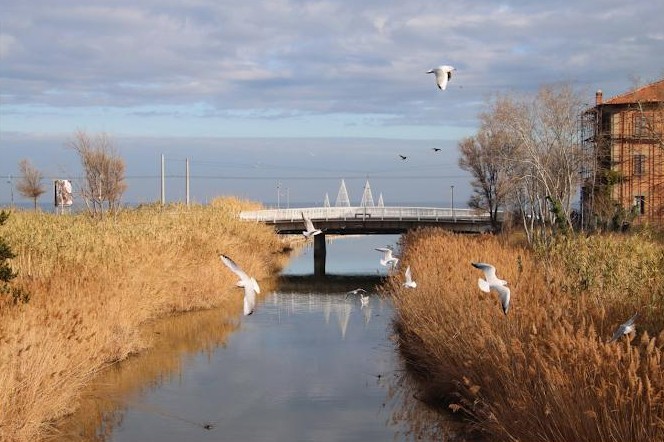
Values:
[(370, 213)]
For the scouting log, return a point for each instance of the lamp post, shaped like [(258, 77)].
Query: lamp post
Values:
[(278, 195), (11, 188), (453, 213)]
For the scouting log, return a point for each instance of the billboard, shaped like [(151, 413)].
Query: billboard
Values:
[(63, 193)]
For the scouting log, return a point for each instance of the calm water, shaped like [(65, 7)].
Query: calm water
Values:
[(309, 365)]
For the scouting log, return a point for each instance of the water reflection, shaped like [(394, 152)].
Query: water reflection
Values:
[(312, 364)]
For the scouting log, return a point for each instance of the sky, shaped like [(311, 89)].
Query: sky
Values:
[(278, 100)]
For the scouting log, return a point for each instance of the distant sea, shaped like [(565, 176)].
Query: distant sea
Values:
[(50, 207)]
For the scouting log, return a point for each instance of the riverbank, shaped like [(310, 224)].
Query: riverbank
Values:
[(94, 287), (545, 370)]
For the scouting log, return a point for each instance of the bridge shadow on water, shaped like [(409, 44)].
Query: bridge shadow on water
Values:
[(328, 284)]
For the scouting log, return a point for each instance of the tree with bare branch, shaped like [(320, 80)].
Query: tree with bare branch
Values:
[(30, 183), (104, 170)]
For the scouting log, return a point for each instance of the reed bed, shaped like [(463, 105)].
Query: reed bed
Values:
[(95, 284), (544, 371)]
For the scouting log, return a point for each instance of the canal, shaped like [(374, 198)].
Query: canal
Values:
[(311, 364)]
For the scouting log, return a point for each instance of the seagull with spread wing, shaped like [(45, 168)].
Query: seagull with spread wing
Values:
[(249, 284), (491, 281)]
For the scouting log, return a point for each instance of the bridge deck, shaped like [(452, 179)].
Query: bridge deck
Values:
[(372, 220)]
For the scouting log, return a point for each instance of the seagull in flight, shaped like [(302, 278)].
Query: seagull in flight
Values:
[(409, 279), (358, 291), (493, 282), (311, 230), (443, 75), (436, 149), (625, 328), (387, 258), (364, 299), (247, 282), (403, 157)]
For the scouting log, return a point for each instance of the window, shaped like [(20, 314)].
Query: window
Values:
[(640, 204), (641, 126), (639, 165)]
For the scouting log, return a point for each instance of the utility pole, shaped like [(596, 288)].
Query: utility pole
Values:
[(163, 182), (453, 213), (186, 174), (11, 188)]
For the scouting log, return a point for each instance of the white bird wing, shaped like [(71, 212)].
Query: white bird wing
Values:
[(624, 328), (631, 320), (249, 299), (234, 268), (308, 225), (483, 285), (503, 295), (409, 275), (387, 253), (489, 272)]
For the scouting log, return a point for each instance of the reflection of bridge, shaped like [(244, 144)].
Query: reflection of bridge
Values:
[(367, 221)]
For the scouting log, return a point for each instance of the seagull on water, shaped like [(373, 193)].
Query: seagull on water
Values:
[(247, 282), (493, 282), (443, 75), (357, 291), (409, 279), (387, 258), (625, 328), (311, 230)]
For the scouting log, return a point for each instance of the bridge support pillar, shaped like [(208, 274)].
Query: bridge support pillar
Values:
[(319, 254)]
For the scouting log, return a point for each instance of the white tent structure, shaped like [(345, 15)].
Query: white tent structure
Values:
[(367, 198), (326, 202), (342, 197), (380, 201)]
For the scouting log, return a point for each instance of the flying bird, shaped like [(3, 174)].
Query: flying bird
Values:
[(491, 281), (403, 157), (311, 230), (364, 299), (443, 75), (436, 149), (409, 279), (387, 258), (247, 282), (625, 328)]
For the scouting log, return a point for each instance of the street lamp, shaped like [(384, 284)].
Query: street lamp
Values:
[(278, 195), (453, 213), (11, 188)]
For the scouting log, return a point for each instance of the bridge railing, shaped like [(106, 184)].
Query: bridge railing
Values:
[(376, 213)]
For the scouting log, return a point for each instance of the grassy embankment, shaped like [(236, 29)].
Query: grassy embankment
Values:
[(95, 284), (544, 372)]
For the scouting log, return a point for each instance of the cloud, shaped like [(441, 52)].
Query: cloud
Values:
[(324, 57)]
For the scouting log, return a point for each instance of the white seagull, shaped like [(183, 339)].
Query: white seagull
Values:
[(249, 284), (492, 282), (625, 328), (409, 279), (311, 230), (364, 299), (387, 258), (357, 291), (443, 75)]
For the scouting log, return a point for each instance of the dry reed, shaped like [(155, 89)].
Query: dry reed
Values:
[(544, 372), (95, 284)]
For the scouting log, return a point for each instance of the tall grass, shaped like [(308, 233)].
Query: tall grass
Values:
[(94, 284), (544, 372)]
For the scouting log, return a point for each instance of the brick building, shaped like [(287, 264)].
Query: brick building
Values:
[(623, 139)]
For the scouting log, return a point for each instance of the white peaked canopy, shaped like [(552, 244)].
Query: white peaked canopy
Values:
[(326, 202), (342, 197), (380, 201), (367, 198)]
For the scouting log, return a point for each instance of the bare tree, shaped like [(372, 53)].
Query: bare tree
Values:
[(487, 156), (30, 184), (546, 127), (104, 171), (527, 154)]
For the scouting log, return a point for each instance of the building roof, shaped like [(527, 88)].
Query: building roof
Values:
[(652, 92)]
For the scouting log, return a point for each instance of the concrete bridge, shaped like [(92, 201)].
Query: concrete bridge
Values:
[(367, 221)]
